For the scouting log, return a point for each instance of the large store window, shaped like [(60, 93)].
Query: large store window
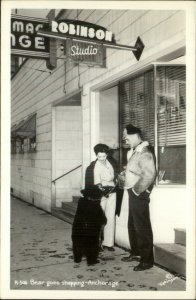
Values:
[(171, 124), (156, 101), (137, 107)]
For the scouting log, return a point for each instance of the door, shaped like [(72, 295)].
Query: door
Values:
[(66, 153), (109, 120)]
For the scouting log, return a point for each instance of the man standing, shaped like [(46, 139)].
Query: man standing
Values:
[(139, 179)]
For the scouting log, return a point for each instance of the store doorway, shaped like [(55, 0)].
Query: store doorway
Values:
[(66, 150), (109, 120)]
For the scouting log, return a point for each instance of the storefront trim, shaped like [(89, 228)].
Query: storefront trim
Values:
[(122, 73), (95, 87), (66, 97)]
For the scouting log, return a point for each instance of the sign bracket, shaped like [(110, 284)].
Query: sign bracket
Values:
[(137, 49)]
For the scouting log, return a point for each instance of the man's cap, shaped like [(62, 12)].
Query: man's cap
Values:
[(132, 129), (92, 191)]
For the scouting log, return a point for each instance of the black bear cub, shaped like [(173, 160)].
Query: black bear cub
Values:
[(87, 225)]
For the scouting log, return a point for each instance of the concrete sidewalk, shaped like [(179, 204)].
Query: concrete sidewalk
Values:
[(41, 259)]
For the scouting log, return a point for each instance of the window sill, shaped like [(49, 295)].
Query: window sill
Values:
[(170, 185)]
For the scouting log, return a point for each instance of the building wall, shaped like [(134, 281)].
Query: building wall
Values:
[(158, 30), (162, 33), (33, 91), (167, 210)]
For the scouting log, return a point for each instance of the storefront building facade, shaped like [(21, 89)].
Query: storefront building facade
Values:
[(75, 106)]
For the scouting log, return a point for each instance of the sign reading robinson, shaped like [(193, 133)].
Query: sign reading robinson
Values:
[(82, 29)]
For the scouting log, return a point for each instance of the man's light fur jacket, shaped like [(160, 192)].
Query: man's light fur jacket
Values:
[(141, 171)]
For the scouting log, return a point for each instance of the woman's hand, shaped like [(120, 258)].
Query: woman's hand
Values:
[(100, 187)]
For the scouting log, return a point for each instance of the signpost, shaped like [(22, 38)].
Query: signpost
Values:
[(79, 31), (83, 42)]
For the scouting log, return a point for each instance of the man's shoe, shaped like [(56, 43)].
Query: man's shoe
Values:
[(131, 257), (93, 263), (142, 266), (108, 248)]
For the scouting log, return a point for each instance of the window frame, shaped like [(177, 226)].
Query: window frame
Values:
[(153, 67), (24, 142)]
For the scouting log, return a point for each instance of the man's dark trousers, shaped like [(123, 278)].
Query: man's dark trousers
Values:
[(139, 227)]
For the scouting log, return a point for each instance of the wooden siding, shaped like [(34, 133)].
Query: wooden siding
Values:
[(35, 91)]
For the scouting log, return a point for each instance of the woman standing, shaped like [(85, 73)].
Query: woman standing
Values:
[(102, 172)]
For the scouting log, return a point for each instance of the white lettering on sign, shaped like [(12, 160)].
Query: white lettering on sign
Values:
[(108, 36), (91, 33), (39, 43), (72, 29), (63, 28), (29, 28), (90, 50), (100, 34), (24, 35), (82, 31), (24, 41), (38, 27), (19, 26)]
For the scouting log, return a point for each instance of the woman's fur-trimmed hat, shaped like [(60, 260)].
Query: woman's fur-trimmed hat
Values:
[(103, 148)]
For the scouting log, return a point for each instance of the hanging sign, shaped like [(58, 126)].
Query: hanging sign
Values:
[(87, 40), (24, 38), (81, 52), (81, 40)]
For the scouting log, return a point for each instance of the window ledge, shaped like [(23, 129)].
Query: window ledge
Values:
[(170, 185)]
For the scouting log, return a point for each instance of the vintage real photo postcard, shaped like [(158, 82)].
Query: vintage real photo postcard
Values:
[(98, 150)]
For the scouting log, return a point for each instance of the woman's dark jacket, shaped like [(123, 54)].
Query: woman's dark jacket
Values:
[(89, 180)]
